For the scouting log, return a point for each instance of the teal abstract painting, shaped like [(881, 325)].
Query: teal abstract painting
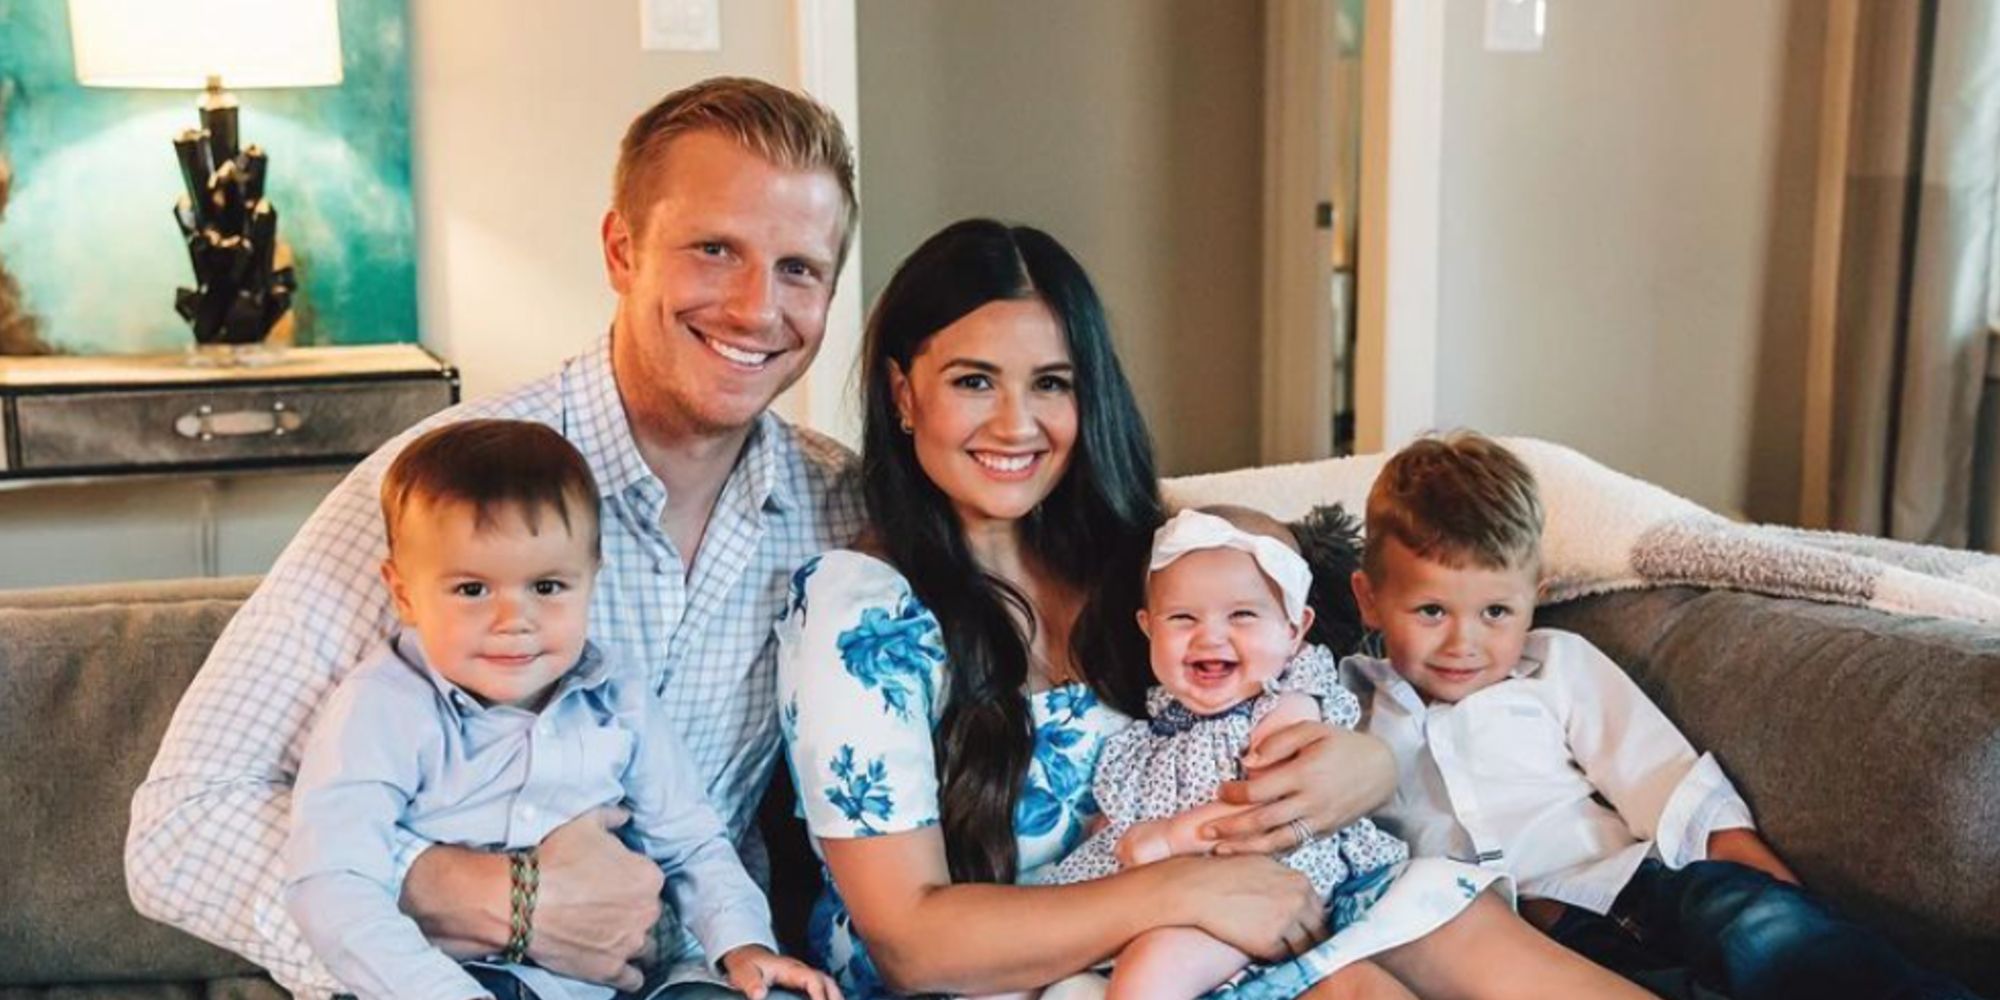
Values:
[(88, 230)]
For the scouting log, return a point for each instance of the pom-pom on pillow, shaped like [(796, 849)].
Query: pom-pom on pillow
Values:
[(1330, 539)]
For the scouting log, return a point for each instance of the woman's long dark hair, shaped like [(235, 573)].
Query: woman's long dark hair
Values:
[(1093, 528)]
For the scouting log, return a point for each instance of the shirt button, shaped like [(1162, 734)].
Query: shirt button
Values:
[(528, 812), (546, 729)]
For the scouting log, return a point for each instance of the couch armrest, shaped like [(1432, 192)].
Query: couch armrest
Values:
[(1868, 746), (89, 678)]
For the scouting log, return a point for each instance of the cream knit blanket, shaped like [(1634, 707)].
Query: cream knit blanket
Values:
[(1608, 531)]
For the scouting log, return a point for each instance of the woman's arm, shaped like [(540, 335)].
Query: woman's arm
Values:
[(1188, 832), (1008, 937), (1322, 773)]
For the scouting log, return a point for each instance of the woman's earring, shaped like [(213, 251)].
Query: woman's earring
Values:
[(904, 423)]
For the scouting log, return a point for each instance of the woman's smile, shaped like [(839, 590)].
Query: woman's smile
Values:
[(1008, 467)]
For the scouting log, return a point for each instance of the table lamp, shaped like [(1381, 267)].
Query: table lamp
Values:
[(229, 225)]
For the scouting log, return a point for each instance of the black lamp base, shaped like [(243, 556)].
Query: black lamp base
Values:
[(231, 231)]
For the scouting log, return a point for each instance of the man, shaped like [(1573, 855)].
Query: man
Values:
[(733, 207)]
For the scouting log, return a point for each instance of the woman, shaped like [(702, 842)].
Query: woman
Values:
[(945, 691)]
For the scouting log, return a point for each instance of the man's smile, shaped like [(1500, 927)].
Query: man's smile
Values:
[(740, 357)]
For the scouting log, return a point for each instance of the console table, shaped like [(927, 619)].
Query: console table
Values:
[(130, 467), (67, 417)]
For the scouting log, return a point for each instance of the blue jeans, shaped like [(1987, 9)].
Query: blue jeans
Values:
[(505, 987), (501, 984), (1716, 927)]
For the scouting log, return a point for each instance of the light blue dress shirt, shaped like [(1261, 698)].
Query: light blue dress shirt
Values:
[(399, 746)]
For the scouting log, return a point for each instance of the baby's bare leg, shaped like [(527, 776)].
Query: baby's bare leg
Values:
[(1171, 963), (1360, 981), (1488, 953)]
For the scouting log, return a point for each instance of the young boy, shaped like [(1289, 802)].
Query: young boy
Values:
[(1530, 752), (490, 721)]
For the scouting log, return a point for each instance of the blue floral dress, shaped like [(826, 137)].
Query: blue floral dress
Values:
[(861, 681)]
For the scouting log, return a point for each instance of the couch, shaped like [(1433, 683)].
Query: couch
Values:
[(1868, 744)]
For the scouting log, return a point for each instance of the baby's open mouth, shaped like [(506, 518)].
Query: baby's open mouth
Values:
[(1211, 671)]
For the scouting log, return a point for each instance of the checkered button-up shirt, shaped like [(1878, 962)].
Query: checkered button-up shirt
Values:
[(209, 823)]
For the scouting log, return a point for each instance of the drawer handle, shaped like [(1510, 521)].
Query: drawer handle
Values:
[(205, 424)]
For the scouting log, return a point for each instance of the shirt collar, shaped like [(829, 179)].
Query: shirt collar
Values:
[(1379, 672), (1170, 718), (594, 415), (594, 418), (769, 455)]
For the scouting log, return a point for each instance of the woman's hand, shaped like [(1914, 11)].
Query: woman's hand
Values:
[(1318, 773), (1260, 907)]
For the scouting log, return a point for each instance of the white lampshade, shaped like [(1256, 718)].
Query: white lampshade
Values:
[(182, 43)]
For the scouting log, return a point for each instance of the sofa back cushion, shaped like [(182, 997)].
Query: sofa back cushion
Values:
[(1868, 744), (89, 678)]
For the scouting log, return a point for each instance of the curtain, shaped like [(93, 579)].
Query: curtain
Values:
[(1915, 313)]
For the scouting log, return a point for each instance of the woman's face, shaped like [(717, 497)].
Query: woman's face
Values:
[(990, 403)]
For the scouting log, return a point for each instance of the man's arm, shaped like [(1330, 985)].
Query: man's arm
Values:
[(209, 823), (594, 915)]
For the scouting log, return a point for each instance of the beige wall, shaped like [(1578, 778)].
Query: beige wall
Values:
[(1132, 131), (1625, 238), (517, 108)]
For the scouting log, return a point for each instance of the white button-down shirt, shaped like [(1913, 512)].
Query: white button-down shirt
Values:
[(1565, 775), (209, 823)]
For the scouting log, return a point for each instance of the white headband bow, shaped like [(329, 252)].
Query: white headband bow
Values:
[(1193, 531)]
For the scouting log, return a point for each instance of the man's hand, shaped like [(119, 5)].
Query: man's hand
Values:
[(753, 969), (1260, 907), (1744, 847), (598, 902), (594, 914), (1313, 771)]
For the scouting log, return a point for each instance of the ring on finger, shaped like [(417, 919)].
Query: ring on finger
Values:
[(1302, 830), (1300, 940)]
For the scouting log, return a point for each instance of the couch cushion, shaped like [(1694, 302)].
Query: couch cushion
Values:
[(1868, 745), (233, 988), (86, 690), (224, 588)]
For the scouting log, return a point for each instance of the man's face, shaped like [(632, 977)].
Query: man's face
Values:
[(723, 295)]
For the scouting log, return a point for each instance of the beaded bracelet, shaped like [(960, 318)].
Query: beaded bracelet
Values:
[(524, 877)]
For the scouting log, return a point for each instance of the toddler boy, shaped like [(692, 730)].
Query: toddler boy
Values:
[(1530, 752), (490, 721)]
